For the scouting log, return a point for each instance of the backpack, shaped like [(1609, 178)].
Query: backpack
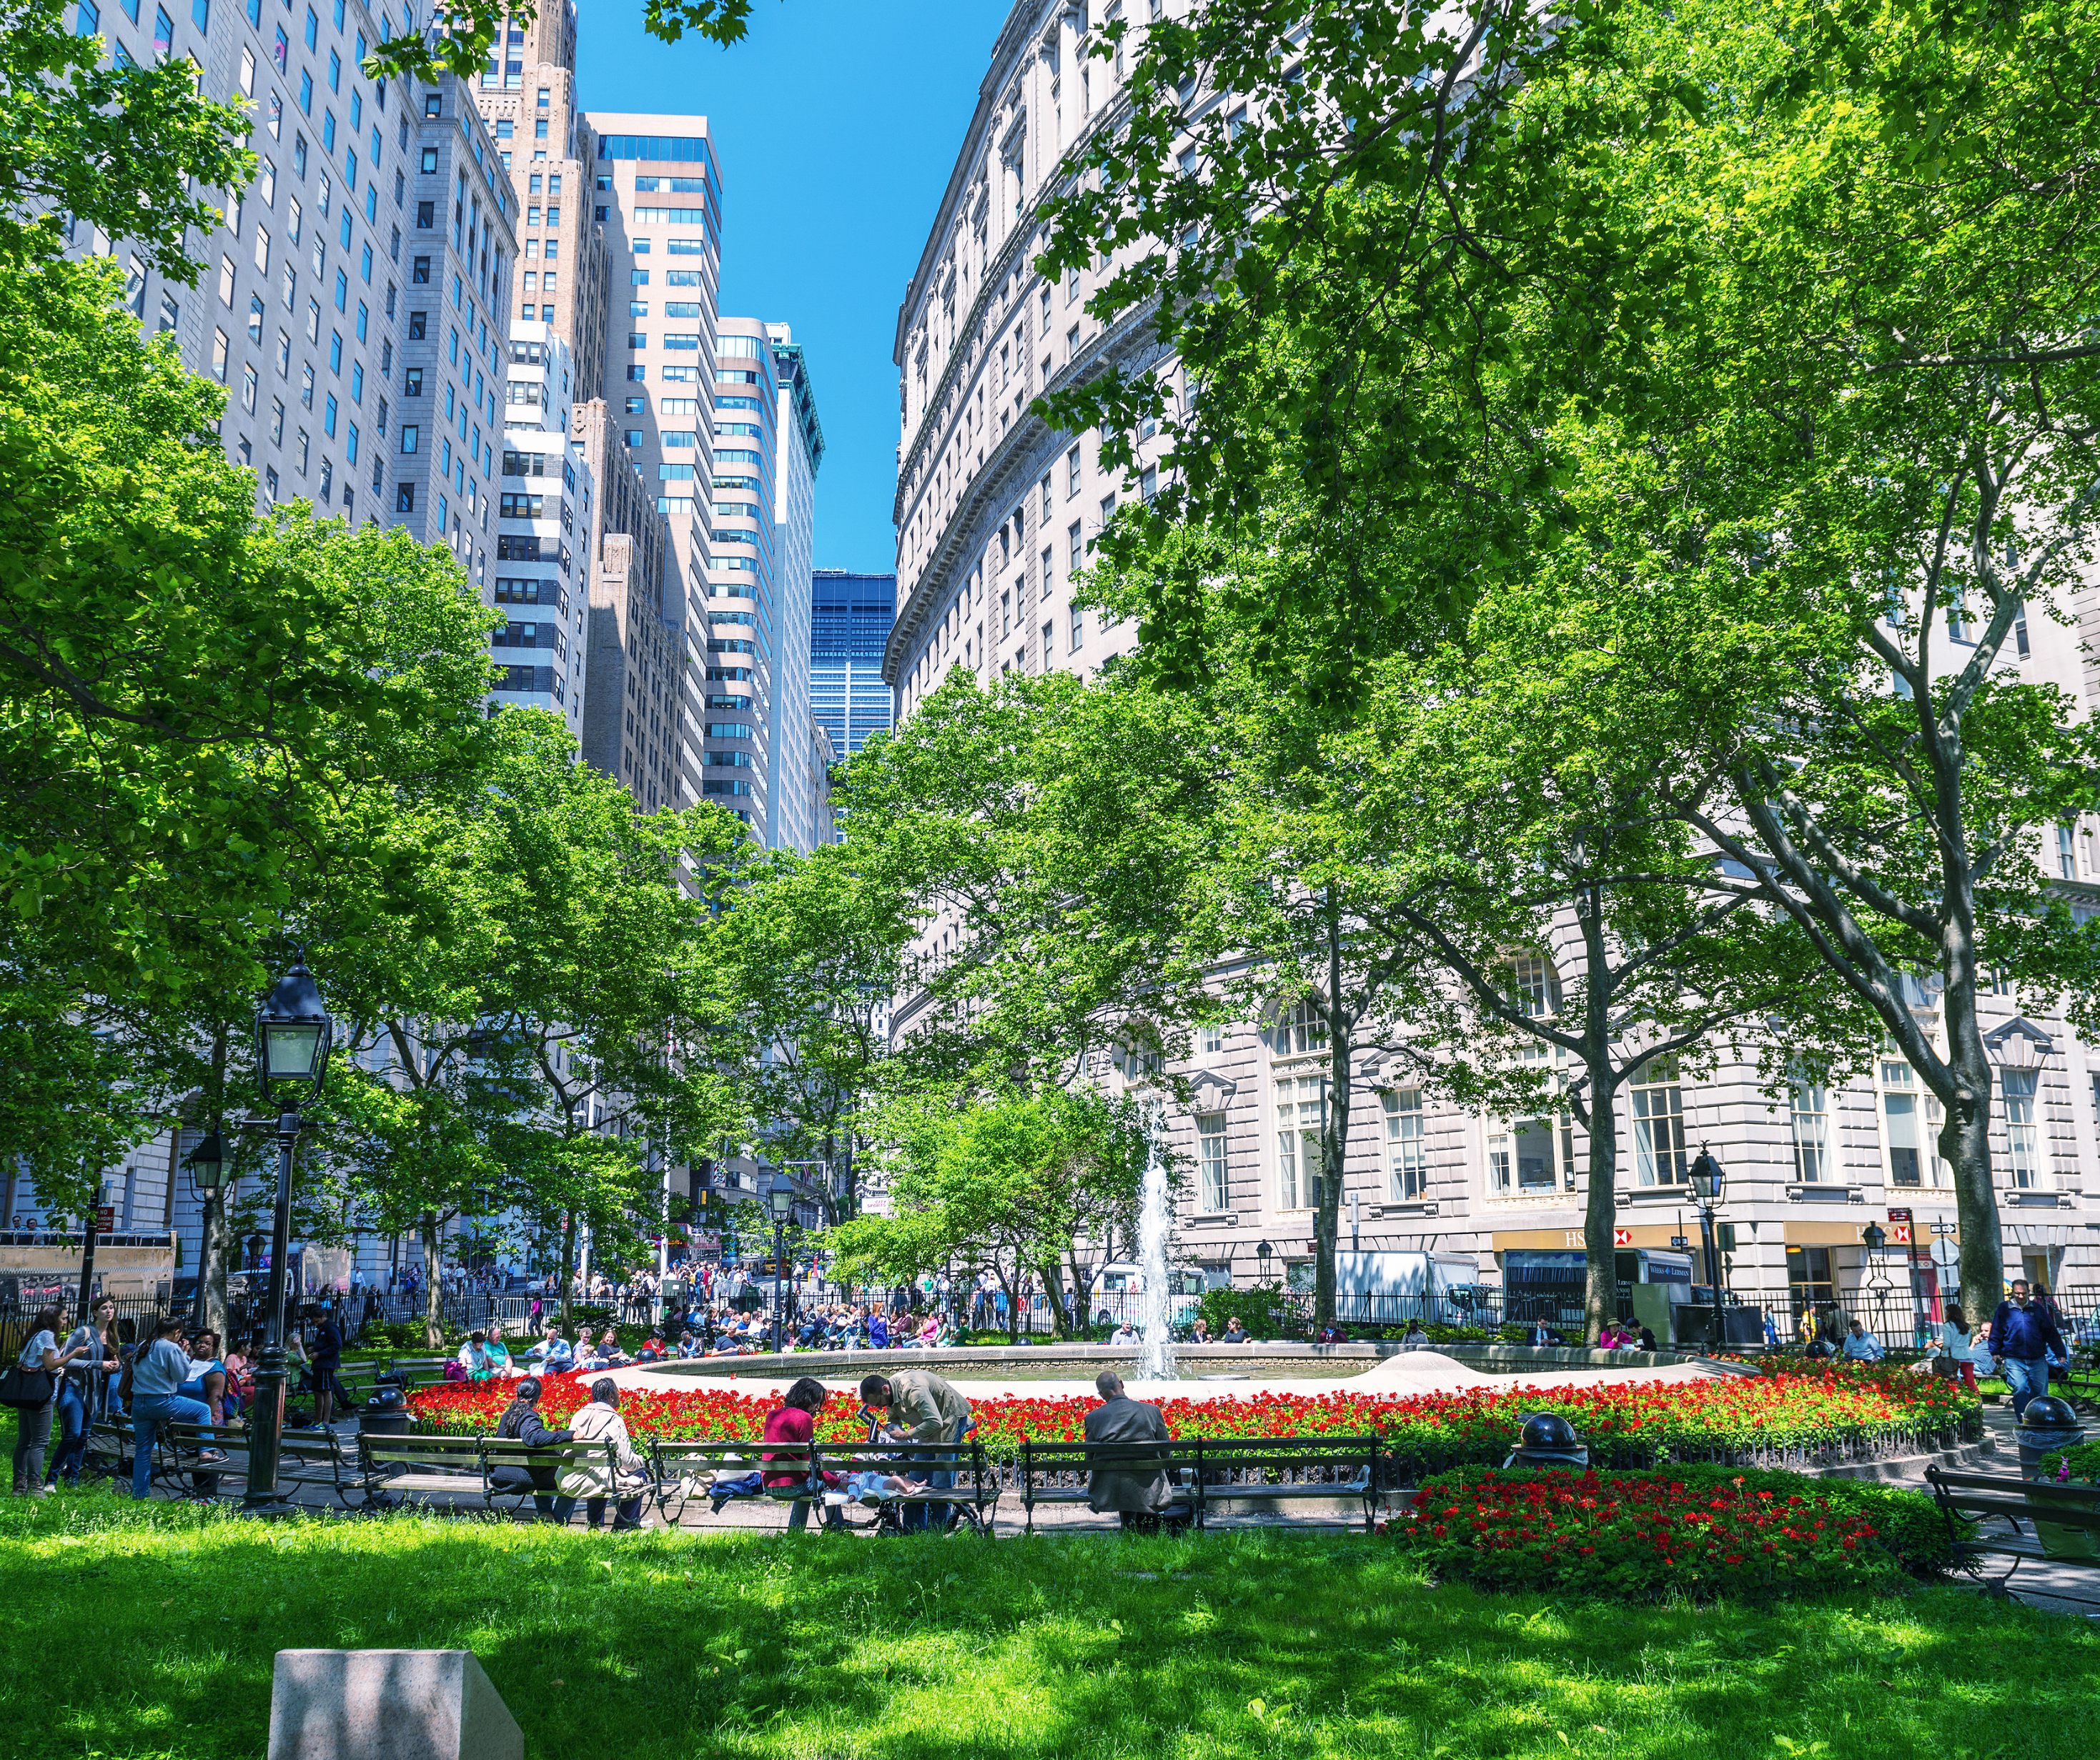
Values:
[(455, 1369)]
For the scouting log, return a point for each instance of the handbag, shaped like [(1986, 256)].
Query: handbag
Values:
[(26, 1390)]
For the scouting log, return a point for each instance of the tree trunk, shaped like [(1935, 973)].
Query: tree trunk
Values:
[(214, 1239), (1600, 1290), (215, 1235), (1965, 1139), (568, 1272), (434, 1329), (1334, 1134)]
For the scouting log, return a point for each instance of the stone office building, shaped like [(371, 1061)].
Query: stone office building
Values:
[(995, 514)]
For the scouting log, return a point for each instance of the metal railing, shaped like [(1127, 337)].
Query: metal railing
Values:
[(1907, 1322)]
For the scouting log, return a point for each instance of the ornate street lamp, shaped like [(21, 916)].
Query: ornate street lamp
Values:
[(1707, 1180), (1264, 1252), (293, 1036), (210, 1173)]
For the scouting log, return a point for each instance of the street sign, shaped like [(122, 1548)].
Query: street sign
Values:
[(105, 1219), (1900, 1215), (1680, 1240), (1946, 1254)]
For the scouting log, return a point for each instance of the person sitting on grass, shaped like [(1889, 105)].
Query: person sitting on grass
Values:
[(609, 1351), (1861, 1345)]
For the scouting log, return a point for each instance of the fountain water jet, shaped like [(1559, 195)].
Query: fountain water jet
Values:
[(1155, 1359)]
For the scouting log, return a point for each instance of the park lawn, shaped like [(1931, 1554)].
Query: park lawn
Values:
[(147, 1635)]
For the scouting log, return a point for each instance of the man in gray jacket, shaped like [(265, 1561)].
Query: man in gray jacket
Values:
[(1137, 1490)]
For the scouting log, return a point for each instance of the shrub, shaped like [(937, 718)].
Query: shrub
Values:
[(1700, 1531), (1267, 1313), (392, 1335), (2081, 1464)]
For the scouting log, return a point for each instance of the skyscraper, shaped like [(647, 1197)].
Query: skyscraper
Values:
[(798, 451), (850, 617), (656, 194), (630, 672)]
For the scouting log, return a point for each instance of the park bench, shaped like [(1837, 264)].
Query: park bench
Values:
[(109, 1446), (398, 1468), (1208, 1472), (685, 1470), (500, 1452), (181, 1452), (2059, 1530)]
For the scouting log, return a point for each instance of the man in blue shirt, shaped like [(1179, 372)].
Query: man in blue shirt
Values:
[(2021, 1335)]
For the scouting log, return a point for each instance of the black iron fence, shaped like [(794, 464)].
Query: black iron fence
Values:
[(1904, 1322)]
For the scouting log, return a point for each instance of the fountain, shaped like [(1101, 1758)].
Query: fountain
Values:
[(1155, 1359)]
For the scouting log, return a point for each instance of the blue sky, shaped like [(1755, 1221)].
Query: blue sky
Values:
[(837, 122)]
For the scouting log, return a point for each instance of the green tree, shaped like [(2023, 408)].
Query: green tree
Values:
[(806, 964), (1774, 322), (1001, 1179)]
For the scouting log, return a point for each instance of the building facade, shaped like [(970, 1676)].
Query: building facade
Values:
[(850, 619), (995, 514), (798, 453)]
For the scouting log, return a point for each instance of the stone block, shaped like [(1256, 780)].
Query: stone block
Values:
[(388, 1704)]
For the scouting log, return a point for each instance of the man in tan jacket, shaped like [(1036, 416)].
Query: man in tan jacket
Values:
[(917, 1405)]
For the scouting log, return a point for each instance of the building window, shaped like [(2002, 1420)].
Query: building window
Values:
[(1407, 1179), (1909, 1118), (1658, 1124), (404, 499), (1809, 1283), (1534, 987), (2066, 862), (2017, 1086), (1298, 1110), (1210, 1161), (1812, 1132), (1520, 1158)]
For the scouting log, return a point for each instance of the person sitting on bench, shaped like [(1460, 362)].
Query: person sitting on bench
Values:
[(1140, 1496), (792, 1425), (522, 1423)]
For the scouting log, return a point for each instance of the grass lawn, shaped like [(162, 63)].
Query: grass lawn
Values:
[(149, 1634)]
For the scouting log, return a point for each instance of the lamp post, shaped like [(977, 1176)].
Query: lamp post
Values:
[(1264, 1252), (780, 1201), (208, 1178), (292, 1034), (1706, 1183)]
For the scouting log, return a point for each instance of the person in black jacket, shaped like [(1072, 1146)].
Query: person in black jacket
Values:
[(520, 1423)]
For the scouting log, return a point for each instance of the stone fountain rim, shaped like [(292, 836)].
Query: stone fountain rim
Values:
[(970, 1361)]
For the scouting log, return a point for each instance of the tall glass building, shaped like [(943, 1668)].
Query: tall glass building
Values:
[(850, 619)]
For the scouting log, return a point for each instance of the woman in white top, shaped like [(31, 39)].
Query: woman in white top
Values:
[(32, 1429), (1955, 1340)]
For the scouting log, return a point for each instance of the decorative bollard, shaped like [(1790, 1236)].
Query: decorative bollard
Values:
[(388, 1704), (1548, 1440)]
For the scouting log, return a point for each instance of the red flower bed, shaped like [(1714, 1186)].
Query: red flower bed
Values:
[(1634, 1422), (1699, 1532)]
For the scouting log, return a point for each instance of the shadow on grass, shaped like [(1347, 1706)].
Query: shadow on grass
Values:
[(152, 1634)]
